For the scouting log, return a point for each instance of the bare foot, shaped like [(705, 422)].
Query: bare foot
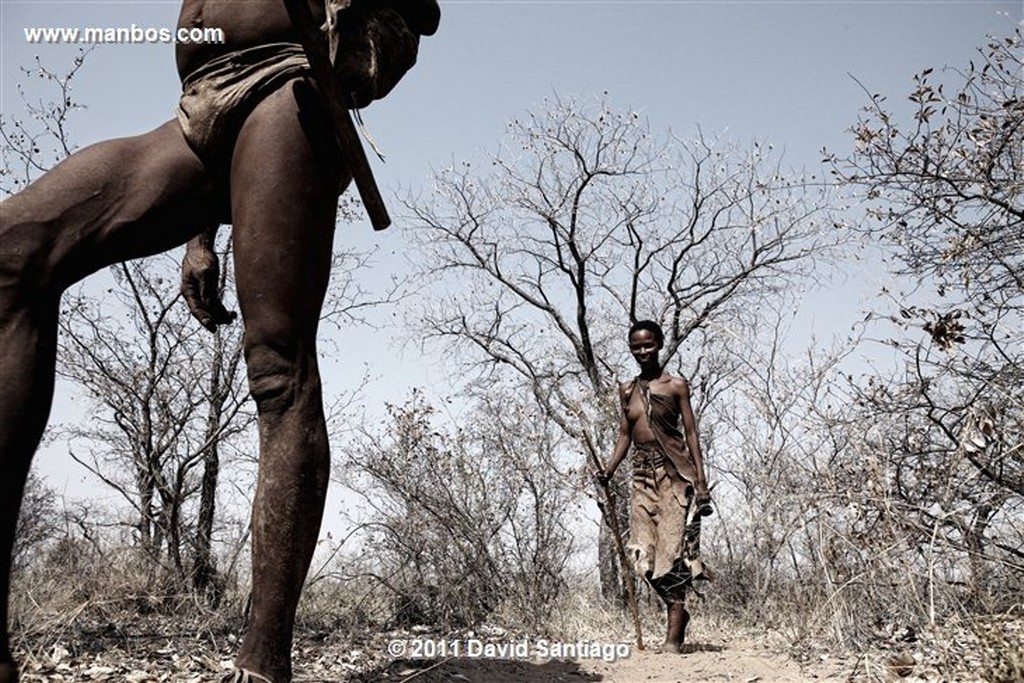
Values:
[(243, 676)]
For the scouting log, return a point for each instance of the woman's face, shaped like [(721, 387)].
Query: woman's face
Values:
[(644, 347)]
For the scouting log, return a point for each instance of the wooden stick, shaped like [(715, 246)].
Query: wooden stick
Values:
[(611, 514), (348, 139)]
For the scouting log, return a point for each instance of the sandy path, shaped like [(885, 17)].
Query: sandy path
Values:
[(714, 660), (716, 654)]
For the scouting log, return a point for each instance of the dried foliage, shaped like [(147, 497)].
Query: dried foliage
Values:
[(464, 521), (889, 502), (946, 190), (37, 523), (35, 143), (946, 429), (878, 509), (169, 401), (586, 221), (947, 186)]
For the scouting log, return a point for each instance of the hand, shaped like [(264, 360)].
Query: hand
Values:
[(372, 47), (703, 502), (200, 272)]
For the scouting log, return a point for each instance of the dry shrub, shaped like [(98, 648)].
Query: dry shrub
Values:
[(1001, 648), (341, 598), (465, 521), (80, 592)]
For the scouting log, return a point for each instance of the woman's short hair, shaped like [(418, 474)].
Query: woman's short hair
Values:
[(652, 327)]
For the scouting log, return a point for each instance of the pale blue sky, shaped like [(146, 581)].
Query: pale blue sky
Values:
[(775, 71), (772, 70)]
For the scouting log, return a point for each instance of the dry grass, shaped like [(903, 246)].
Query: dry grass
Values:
[(83, 607), (1001, 648)]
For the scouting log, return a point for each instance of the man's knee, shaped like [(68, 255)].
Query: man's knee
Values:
[(278, 375), (25, 257)]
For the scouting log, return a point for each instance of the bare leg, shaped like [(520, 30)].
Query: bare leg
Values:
[(675, 633), (671, 588), (284, 193), (113, 201), (28, 343)]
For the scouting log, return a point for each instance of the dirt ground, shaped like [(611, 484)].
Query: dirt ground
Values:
[(744, 662), (163, 650), (950, 654), (720, 661)]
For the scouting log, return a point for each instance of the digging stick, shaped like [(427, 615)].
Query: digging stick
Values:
[(345, 131), (610, 513)]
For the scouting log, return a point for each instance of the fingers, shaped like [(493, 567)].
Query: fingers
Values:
[(209, 313), (219, 314), (200, 288), (196, 306), (703, 502)]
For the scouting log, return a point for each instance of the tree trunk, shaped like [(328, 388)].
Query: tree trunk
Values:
[(204, 574), (981, 594), (612, 586)]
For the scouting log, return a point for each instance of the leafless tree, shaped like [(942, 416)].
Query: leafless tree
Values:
[(466, 519), (947, 190), (166, 401), (38, 521), (36, 142), (587, 220), (943, 434)]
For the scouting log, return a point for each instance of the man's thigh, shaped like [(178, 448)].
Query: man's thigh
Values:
[(110, 202), (285, 177)]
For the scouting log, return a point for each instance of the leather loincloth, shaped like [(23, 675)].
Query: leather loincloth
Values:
[(664, 537), (218, 96)]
